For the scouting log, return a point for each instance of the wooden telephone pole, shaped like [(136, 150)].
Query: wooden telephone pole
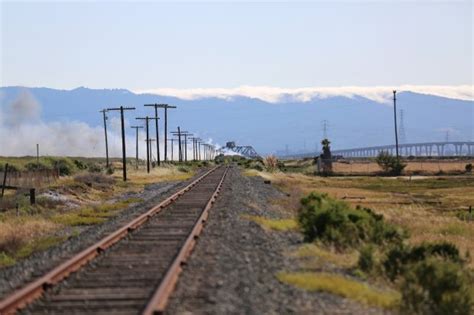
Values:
[(395, 119), (124, 153), (179, 133), (104, 111), (156, 106), (147, 128), (165, 106)]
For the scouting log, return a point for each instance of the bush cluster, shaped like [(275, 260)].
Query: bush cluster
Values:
[(431, 276), (35, 166), (390, 164), (334, 221), (400, 258), (468, 168), (436, 286)]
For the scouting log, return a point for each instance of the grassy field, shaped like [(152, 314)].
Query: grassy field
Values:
[(70, 204), (428, 208)]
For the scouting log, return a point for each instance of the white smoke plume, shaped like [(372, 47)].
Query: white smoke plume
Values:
[(21, 128)]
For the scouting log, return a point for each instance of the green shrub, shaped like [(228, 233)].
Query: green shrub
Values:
[(183, 169), (366, 258), (468, 168), (110, 170), (437, 287), (399, 258), (334, 221), (64, 166), (390, 164), (11, 168), (80, 165), (34, 166), (94, 168)]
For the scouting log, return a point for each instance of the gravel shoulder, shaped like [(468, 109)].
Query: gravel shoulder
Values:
[(38, 264), (234, 264)]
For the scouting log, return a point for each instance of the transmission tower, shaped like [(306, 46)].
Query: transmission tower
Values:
[(325, 126), (403, 136)]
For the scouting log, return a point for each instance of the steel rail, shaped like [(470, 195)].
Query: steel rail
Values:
[(32, 291), (159, 300)]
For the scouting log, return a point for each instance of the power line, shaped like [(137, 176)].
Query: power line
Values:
[(325, 126), (403, 138)]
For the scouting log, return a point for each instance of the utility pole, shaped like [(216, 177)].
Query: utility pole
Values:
[(199, 149), (156, 106), (395, 120), (147, 128), (124, 154), (179, 133), (186, 134), (37, 154), (136, 153), (106, 142), (195, 140), (165, 106)]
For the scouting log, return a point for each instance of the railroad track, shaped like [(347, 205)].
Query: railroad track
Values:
[(133, 270)]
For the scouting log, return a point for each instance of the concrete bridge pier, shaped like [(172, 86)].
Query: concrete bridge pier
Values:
[(458, 149), (440, 149), (429, 149)]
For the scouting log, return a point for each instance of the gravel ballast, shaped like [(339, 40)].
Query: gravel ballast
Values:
[(233, 267)]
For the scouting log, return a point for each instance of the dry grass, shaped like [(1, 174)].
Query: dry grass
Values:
[(423, 166), (273, 224), (342, 286), (93, 214), (271, 163), (17, 235), (166, 173), (313, 256)]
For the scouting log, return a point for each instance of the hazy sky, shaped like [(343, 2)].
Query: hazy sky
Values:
[(187, 45)]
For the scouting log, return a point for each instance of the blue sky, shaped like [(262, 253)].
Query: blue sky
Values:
[(206, 45)]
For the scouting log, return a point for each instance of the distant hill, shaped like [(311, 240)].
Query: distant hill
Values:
[(352, 122)]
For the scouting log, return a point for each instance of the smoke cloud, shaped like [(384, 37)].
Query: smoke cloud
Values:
[(21, 128)]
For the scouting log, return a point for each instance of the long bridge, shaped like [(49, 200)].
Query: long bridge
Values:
[(445, 148), (458, 148)]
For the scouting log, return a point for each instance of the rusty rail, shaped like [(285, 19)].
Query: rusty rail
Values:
[(158, 302), (24, 296)]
